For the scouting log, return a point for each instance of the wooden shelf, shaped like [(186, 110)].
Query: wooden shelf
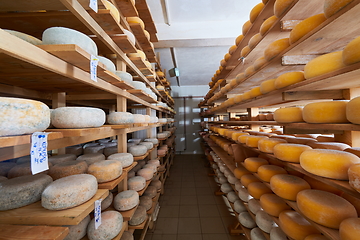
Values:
[(127, 215), (114, 183), (141, 192), (35, 214), (140, 64), (79, 132), (8, 141), (16, 232), (121, 40), (127, 8), (143, 41), (155, 201), (142, 95)]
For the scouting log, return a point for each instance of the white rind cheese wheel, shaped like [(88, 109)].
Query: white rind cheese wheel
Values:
[(325, 112), (77, 117), (239, 206), (226, 188), (290, 152), (126, 200), (244, 195), (22, 191), (111, 224), (150, 191), (136, 183), (109, 65), (139, 118), (62, 35), (107, 201), (232, 196), (139, 216), (69, 192), (153, 140), (78, 231), (126, 159), (324, 64), (254, 206), (146, 202), (288, 115), (257, 234), (324, 208), (94, 149), (328, 163), (22, 116), (25, 37), (264, 221), (106, 170), (118, 118), (349, 229), (5, 168), (277, 234), (91, 158), (125, 76), (352, 112), (148, 145), (65, 169), (246, 220), (137, 150), (146, 173)]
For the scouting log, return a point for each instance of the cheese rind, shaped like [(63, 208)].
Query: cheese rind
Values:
[(126, 159), (324, 64), (268, 86), (78, 231), (252, 164), (264, 221), (254, 206), (349, 229), (354, 176), (288, 186), (280, 6), (351, 53), (267, 145), (77, 117), (352, 112), (139, 216), (255, 11), (275, 48), (126, 200), (137, 150), (246, 27), (246, 220), (111, 224), (267, 24), (289, 78), (289, 115), (136, 183), (290, 152), (257, 189), (65, 169), (273, 204), (325, 112), (333, 6), (257, 234), (266, 172), (106, 170), (118, 118), (305, 26)]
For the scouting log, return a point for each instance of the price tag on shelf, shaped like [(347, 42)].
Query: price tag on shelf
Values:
[(97, 213), (38, 152), (93, 5), (93, 67)]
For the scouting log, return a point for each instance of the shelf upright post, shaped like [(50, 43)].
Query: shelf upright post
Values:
[(59, 100), (253, 115)]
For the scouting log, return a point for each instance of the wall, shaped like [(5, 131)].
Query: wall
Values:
[(187, 119)]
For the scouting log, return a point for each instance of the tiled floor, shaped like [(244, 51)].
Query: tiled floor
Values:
[(189, 209)]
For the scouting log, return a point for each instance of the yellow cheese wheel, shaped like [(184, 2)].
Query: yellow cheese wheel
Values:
[(254, 40), (138, 53), (238, 99), (316, 237), (289, 152), (266, 172), (316, 184), (227, 56), (239, 39), (245, 51), (353, 200), (288, 115), (352, 110), (289, 78), (240, 78), (324, 208), (257, 189), (275, 48), (280, 6), (267, 144), (243, 138), (254, 13), (324, 64), (267, 86), (136, 20), (267, 24), (241, 171), (246, 95), (259, 63), (287, 186), (232, 49), (272, 204), (249, 71), (223, 63), (252, 141), (325, 112), (333, 6), (247, 179), (255, 92), (253, 163), (247, 25), (351, 53), (235, 136), (295, 226), (328, 163), (354, 176), (305, 26), (350, 229), (113, 10)]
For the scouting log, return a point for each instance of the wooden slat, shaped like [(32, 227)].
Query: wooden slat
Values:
[(118, 237), (25, 139), (142, 225), (31, 5), (297, 59), (141, 65), (127, 215), (79, 132), (107, 21), (35, 214), (290, 130), (126, 8), (114, 183), (16, 232), (310, 95), (143, 41), (121, 40), (141, 192), (140, 94)]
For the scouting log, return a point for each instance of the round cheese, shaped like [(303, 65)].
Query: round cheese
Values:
[(109, 65), (255, 11), (254, 206), (232, 196), (238, 185), (126, 200), (349, 229), (333, 6), (352, 113), (252, 163), (257, 234), (295, 226), (118, 118), (325, 112), (157, 184), (65, 169), (148, 145), (254, 40), (239, 39), (76, 149), (126, 159), (288, 78), (247, 179), (107, 201), (259, 63), (127, 236), (328, 163), (105, 170), (5, 167), (281, 6), (239, 206), (62, 158), (244, 195), (153, 140), (62, 35), (256, 189), (267, 24), (255, 92), (305, 26), (288, 115), (289, 152), (232, 49), (273, 204), (267, 86), (125, 76), (69, 192), (252, 141), (244, 52), (323, 64), (266, 172), (275, 48), (267, 144), (146, 173), (136, 183), (21, 191), (21, 170), (146, 202), (287, 186), (94, 149), (264, 221), (150, 191), (91, 158), (235, 136), (245, 28), (78, 231), (277, 234), (246, 220), (77, 117), (136, 20), (351, 53), (25, 37), (324, 208), (137, 150), (111, 225), (22, 116), (226, 188), (139, 216)]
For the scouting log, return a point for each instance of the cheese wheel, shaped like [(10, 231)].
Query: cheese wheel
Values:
[(126, 200), (259, 63), (127, 236), (239, 206), (231, 178), (289, 115), (111, 225), (324, 208), (352, 113), (245, 28), (91, 158), (289, 78), (275, 48), (252, 141), (349, 229), (239, 39), (295, 226), (77, 117), (254, 206), (232, 196), (254, 40), (107, 201), (245, 51), (136, 183), (328, 163), (150, 191), (264, 221), (148, 145), (157, 184), (325, 112), (265, 172), (126, 159), (136, 20), (247, 179), (61, 158), (287, 186), (139, 216), (290, 152), (277, 234), (109, 65), (22, 170), (69, 192), (246, 220), (333, 6), (316, 237), (316, 184), (267, 145), (105, 170), (267, 24), (351, 53), (252, 164), (146, 173), (328, 145), (22, 116), (244, 195), (257, 189), (94, 149), (25, 37), (5, 167), (238, 185), (255, 92), (280, 6), (138, 54), (137, 150), (238, 135), (305, 26), (226, 188), (146, 202), (267, 86), (78, 231), (65, 169), (257, 234), (118, 118), (273, 204), (246, 95), (324, 64), (240, 78), (354, 176), (255, 11), (240, 171), (76, 149)]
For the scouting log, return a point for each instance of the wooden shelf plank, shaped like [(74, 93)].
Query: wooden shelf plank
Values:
[(8, 141), (127, 215), (140, 64), (107, 21), (141, 192), (79, 132), (143, 41), (35, 214), (127, 8), (16, 232), (141, 94), (32, 6), (121, 40), (114, 183)]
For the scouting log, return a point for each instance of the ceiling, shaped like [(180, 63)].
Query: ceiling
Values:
[(194, 35)]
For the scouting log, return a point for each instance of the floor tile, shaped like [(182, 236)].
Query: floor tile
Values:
[(205, 191), (187, 211), (190, 237), (189, 225), (212, 225), (167, 200), (172, 191), (206, 199), (188, 191), (166, 226), (188, 184), (171, 211), (164, 237), (215, 236), (188, 200), (208, 211)]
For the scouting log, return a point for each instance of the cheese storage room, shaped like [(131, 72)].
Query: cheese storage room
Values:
[(196, 120)]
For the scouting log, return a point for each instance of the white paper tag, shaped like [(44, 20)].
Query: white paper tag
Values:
[(38, 152), (97, 213), (93, 67), (93, 5)]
